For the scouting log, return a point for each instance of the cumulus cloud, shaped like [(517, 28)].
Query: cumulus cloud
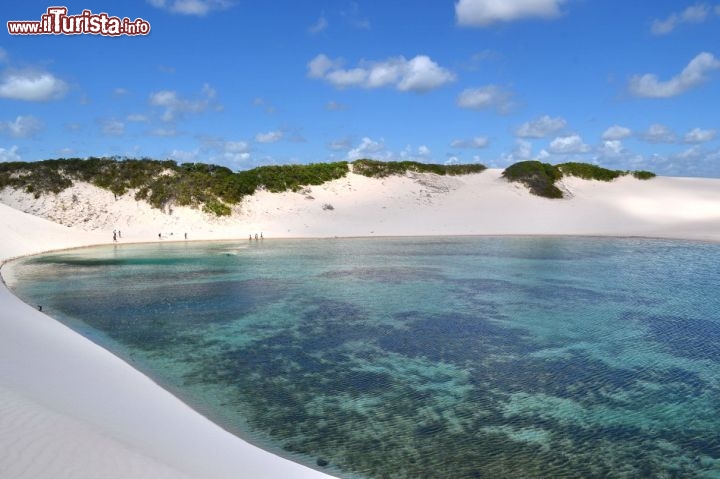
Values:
[(235, 151), (353, 16), (481, 13), (137, 118), (112, 127), (475, 142), (522, 150), (564, 145), (176, 107), (612, 148), (191, 7), (269, 137), (693, 14), (486, 98), (698, 135), (659, 134), (166, 132), (419, 74), (318, 26), (341, 144), (31, 86), (9, 154), (649, 86), (616, 132), (335, 106), (366, 149), (21, 127), (541, 127)]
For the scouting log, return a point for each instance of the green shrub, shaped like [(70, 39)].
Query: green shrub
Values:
[(382, 169), (217, 208), (643, 175), (539, 177), (589, 172)]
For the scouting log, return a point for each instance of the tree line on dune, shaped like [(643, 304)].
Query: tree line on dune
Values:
[(216, 188)]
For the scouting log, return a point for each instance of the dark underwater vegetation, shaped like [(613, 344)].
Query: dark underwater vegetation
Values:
[(422, 358)]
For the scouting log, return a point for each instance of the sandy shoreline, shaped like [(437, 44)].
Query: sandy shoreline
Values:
[(69, 408)]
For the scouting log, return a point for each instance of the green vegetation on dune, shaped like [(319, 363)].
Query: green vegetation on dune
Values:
[(211, 187), (381, 169), (216, 188), (589, 172), (540, 177)]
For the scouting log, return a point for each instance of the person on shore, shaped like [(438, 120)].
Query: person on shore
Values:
[(261, 236), (119, 234), (250, 237), (114, 237), (185, 235), (159, 235), (256, 237)]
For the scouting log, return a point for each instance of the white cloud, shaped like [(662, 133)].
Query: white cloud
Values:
[(419, 74), (269, 137), (182, 156), (541, 127), (659, 134), (693, 14), (564, 145), (30, 86), (9, 154), (318, 26), (481, 13), (616, 132), (320, 65), (341, 144), (112, 127), (421, 154), (3, 55), (175, 106), (21, 127), (353, 16), (191, 7), (475, 142), (612, 148), (236, 151), (168, 132), (137, 118), (367, 148), (698, 135), (522, 150), (486, 97), (335, 106), (649, 86), (422, 74), (120, 92)]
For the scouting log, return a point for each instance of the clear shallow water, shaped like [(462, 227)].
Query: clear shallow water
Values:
[(422, 358)]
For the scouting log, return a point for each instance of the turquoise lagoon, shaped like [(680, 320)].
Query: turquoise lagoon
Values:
[(495, 357)]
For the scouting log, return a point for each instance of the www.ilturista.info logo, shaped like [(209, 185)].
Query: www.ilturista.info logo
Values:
[(57, 22)]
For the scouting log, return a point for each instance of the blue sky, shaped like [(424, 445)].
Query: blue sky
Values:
[(631, 85)]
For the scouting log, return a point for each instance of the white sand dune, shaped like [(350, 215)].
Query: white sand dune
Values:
[(68, 408)]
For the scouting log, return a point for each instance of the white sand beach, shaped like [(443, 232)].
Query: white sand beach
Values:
[(70, 409)]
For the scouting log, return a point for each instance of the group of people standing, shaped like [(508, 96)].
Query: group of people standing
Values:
[(116, 234), (256, 237)]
